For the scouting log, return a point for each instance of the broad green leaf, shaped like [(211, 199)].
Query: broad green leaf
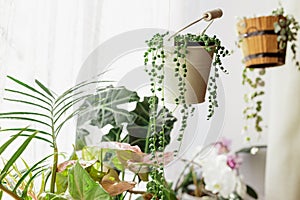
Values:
[(94, 173), (114, 134), (104, 107), (16, 155), (61, 181), (83, 187), (81, 136), (138, 130)]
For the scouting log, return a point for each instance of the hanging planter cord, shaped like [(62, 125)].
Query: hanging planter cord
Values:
[(207, 16)]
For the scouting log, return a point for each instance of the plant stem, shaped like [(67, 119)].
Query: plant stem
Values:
[(54, 169), (55, 155), (10, 193)]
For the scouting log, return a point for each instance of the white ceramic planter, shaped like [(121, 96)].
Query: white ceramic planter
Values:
[(198, 66)]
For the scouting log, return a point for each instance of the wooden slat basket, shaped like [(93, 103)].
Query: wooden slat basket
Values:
[(259, 42)]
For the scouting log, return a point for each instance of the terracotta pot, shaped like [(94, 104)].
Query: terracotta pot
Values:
[(199, 62), (259, 42)]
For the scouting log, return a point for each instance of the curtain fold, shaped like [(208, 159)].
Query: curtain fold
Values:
[(283, 164)]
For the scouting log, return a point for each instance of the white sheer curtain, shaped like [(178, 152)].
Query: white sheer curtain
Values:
[(48, 41), (283, 164)]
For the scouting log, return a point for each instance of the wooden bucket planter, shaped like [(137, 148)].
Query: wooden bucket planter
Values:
[(259, 42), (199, 62)]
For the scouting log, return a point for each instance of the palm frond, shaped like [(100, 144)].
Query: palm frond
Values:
[(30, 88), (15, 156), (26, 130), (44, 88), (28, 103), (25, 175), (28, 95)]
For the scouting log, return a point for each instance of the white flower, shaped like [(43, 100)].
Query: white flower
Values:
[(218, 176)]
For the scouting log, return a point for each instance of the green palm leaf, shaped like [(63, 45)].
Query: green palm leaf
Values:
[(15, 156), (27, 130), (25, 113), (27, 119), (34, 167), (44, 88), (29, 95), (24, 193), (28, 103), (29, 87), (6, 144)]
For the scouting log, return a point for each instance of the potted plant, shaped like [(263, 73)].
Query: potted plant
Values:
[(99, 172), (182, 67), (263, 41), (213, 174)]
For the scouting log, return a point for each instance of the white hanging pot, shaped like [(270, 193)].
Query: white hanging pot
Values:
[(198, 64)]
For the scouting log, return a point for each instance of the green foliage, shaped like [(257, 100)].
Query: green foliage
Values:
[(82, 186), (12, 181), (49, 112), (210, 44), (102, 108), (138, 131), (253, 99), (156, 56), (287, 29), (108, 112)]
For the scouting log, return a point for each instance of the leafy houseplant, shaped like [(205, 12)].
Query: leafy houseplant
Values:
[(49, 112), (276, 31), (158, 55), (96, 174)]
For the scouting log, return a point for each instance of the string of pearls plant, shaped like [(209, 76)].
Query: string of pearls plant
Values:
[(156, 55), (253, 110)]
